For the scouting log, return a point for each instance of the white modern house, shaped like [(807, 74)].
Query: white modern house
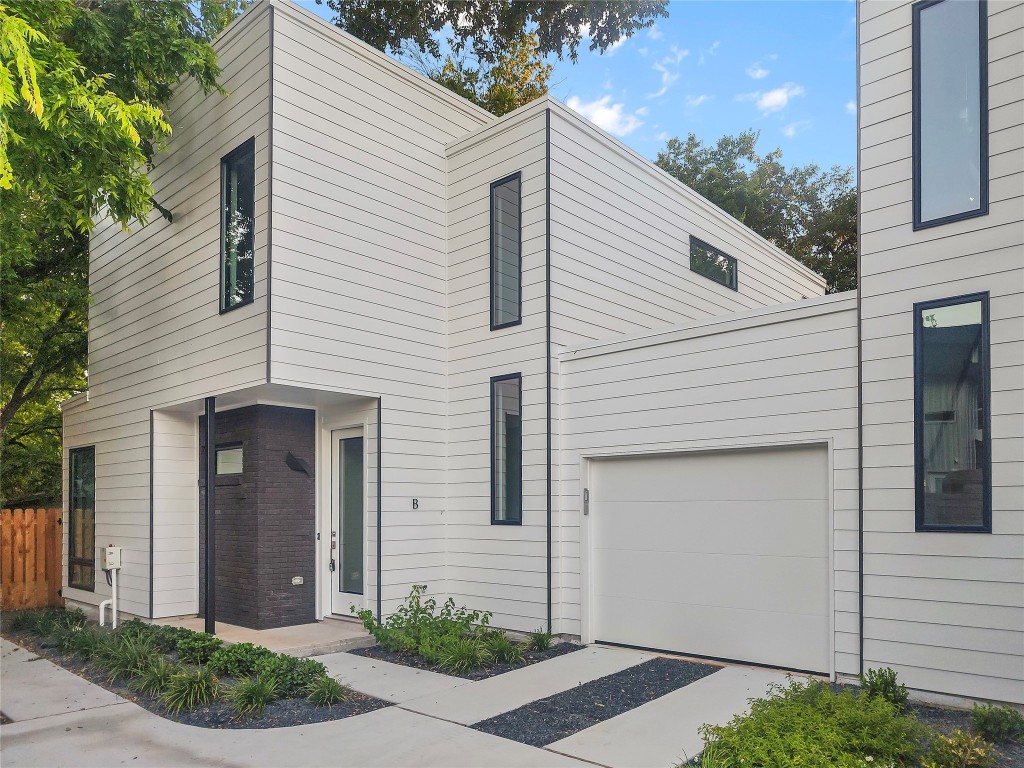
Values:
[(513, 361)]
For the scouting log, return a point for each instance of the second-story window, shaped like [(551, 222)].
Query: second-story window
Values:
[(950, 111), (506, 252), (237, 225), (712, 263)]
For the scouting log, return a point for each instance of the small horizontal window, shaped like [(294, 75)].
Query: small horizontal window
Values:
[(712, 263), (229, 460)]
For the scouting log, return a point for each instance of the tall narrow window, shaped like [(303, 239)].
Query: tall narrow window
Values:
[(237, 225), (951, 415), (82, 518), (506, 253), (712, 263), (506, 450), (950, 111)]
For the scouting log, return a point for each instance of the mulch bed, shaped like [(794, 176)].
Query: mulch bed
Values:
[(946, 720), (414, 660), (547, 720), (218, 714)]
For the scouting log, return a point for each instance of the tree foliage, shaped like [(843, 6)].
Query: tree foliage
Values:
[(83, 88), (488, 27), (519, 75), (809, 213)]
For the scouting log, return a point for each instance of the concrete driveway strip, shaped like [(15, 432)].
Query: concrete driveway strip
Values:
[(391, 682), (511, 690), (664, 732), (32, 687), (127, 734)]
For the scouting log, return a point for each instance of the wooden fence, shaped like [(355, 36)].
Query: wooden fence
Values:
[(30, 558)]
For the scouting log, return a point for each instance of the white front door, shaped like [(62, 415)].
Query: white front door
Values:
[(346, 561), (721, 554)]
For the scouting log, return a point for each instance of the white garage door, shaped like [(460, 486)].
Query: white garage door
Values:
[(721, 554)]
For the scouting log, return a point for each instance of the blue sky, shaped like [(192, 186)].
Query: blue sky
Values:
[(783, 67)]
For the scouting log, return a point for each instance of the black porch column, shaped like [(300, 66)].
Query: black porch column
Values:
[(210, 517)]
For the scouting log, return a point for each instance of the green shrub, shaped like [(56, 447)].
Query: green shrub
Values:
[(998, 724), (239, 660), (197, 647), (46, 622), (189, 688), (418, 627), (325, 691), (135, 628), (539, 640), (20, 621), (166, 638), (291, 674), (814, 727), (155, 678), (960, 750), (882, 683), (501, 649), (250, 695), (127, 657), (84, 642), (461, 654)]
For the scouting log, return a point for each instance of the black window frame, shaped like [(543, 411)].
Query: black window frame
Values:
[(982, 209), (986, 367), (73, 521), (246, 147), (228, 447), (492, 426), (518, 175), (734, 286)]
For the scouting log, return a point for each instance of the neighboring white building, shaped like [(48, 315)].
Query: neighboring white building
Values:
[(513, 361)]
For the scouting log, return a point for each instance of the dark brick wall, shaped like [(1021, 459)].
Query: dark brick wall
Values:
[(265, 519)]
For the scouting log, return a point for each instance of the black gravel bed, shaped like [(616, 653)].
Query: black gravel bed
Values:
[(480, 673), (945, 720), (547, 720), (218, 714)]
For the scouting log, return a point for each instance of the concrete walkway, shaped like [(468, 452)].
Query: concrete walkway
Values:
[(313, 639), (511, 690), (62, 720)]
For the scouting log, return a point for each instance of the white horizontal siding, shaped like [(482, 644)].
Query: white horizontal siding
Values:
[(781, 376), (359, 268), (942, 609)]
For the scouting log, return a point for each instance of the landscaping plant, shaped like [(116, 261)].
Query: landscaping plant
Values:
[(501, 648), (197, 647), (539, 640), (882, 683), (812, 726), (239, 660), (461, 654), (250, 695), (292, 674), (127, 657), (325, 691), (998, 724), (189, 688), (960, 750), (84, 642), (155, 678)]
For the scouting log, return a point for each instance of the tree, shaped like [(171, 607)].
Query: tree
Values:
[(518, 75), (83, 87), (809, 213), (489, 27)]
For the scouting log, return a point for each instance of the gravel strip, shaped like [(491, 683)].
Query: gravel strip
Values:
[(218, 714), (547, 720), (414, 660)]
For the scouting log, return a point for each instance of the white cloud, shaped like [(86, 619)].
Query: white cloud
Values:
[(663, 136), (851, 107), (792, 129), (612, 117), (668, 76), (714, 47), (608, 85), (695, 101), (757, 72), (642, 51), (654, 33), (774, 100), (611, 49)]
